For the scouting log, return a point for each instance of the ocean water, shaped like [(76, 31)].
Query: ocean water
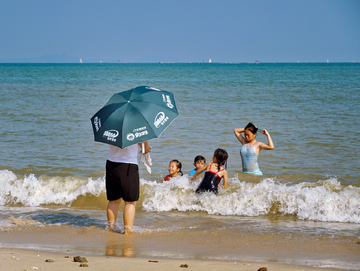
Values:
[(52, 171)]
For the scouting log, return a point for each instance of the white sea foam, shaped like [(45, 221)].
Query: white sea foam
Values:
[(325, 200), (30, 190)]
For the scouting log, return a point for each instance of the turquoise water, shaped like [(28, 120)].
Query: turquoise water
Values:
[(48, 158), (310, 110), (52, 171)]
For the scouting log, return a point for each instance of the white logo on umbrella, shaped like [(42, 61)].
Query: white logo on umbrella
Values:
[(111, 135), (97, 123), (167, 100), (160, 119), (130, 136)]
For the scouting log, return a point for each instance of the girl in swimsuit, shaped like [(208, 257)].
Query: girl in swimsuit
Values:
[(250, 149), (214, 173), (174, 170)]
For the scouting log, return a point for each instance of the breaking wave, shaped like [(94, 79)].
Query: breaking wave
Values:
[(326, 200), (35, 191)]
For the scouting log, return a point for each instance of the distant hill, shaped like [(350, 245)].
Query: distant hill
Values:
[(46, 59)]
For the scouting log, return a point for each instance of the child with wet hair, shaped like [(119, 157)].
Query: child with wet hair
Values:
[(214, 173), (199, 162), (174, 170), (250, 148)]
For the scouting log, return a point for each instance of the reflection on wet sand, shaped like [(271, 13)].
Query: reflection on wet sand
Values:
[(126, 249)]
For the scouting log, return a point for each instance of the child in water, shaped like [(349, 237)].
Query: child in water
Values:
[(250, 149), (214, 173), (174, 170), (199, 162)]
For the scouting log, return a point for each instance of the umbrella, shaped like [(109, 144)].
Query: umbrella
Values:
[(134, 116)]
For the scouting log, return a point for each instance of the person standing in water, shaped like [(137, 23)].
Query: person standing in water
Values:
[(123, 183), (214, 173), (250, 149), (174, 170)]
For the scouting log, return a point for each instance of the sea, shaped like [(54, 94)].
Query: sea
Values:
[(305, 209)]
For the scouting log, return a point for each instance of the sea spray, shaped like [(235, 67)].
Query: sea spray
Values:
[(326, 200), (30, 190)]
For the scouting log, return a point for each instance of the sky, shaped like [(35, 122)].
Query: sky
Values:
[(185, 30)]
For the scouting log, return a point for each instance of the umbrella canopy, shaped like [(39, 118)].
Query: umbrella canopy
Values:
[(134, 116)]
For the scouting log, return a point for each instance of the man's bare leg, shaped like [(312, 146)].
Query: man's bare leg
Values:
[(129, 216), (112, 212)]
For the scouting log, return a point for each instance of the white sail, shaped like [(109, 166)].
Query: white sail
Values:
[(80, 60), (210, 60)]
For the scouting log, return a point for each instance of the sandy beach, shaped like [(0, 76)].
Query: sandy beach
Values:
[(20, 260), (28, 249)]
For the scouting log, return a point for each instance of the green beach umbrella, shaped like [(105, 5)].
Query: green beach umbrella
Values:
[(134, 116)]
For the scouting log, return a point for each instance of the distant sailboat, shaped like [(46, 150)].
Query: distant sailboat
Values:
[(80, 60), (327, 61), (210, 60)]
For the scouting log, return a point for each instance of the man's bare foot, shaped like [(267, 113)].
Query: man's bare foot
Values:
[(111, 226), (127, 231)]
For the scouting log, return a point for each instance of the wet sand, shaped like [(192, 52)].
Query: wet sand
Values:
[(201, 249)]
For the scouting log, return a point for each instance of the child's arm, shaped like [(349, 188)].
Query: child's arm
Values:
[(270, 144), (199, 171), (225, 179), (237, 132)]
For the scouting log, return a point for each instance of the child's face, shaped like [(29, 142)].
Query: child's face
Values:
[(199, 164), (173, 169), (249, 136)]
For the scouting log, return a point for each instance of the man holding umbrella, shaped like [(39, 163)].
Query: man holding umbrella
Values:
[(123, 183), (130, 118)]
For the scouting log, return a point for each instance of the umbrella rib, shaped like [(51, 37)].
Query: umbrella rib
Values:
[(147, 122)]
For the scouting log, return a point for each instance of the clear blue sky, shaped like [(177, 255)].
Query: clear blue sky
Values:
[(189, 30)]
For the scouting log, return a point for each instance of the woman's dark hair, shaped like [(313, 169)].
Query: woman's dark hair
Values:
[(199, 158), (251, 127), (178, 165), (221, 157)]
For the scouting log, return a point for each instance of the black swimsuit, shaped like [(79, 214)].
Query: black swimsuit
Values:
[(210, 182)]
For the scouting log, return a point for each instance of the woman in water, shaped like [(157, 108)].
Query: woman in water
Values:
[(214, 173), (250, 149)]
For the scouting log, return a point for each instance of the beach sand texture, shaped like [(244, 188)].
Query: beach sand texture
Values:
[(15, 259), (201, 250)]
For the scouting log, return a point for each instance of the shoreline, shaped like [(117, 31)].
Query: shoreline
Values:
[(31, 259), (308, 251)]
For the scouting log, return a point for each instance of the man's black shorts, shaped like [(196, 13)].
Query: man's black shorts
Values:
[(122, 181)]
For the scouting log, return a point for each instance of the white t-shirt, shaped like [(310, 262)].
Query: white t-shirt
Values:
[(127, 155)]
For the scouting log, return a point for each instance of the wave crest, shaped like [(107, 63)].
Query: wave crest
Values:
[(325, 200), (35, 191)]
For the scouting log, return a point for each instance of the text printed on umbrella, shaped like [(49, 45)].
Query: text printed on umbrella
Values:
[(111, 135), (131, 136), (97, 123), (167, 100), (160, 119)]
